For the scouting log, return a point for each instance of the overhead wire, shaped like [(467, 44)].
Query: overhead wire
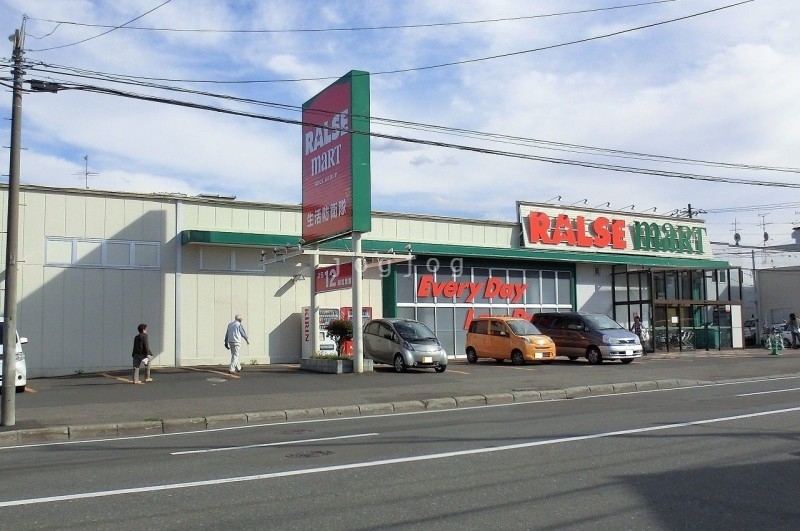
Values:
[(453, 63), (601, 166), (114, 28), (353, 29), (459, 132)]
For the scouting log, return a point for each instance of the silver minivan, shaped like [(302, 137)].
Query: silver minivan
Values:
[(403, 343), (595, 336)]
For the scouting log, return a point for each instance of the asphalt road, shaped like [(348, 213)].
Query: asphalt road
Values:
[(90, 399), (713, 456)]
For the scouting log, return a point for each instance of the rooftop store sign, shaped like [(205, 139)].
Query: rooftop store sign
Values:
[(589, 230), (336, 160)]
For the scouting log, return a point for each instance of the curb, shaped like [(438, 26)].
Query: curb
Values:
[(56, 434)]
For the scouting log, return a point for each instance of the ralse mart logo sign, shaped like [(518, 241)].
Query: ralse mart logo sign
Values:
[(611, 234)]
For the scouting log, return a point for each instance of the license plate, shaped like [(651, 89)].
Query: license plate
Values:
[(427, 359), (538, 355)]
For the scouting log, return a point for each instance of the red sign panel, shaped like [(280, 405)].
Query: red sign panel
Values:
[(332, 278), (327, 164)]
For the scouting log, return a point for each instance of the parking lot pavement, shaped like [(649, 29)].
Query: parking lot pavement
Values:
[(202, 397)]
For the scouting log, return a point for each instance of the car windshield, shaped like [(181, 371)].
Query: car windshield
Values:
[(522, 327), (599, 321), (413, 331)]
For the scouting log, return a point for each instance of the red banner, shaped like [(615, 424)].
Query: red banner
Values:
[(332, 278)]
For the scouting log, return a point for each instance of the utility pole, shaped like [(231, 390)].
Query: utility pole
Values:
[(8, 414), (689, 210), (757, 295)]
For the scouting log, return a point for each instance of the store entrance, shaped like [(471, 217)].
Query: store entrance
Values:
[(680, 310)]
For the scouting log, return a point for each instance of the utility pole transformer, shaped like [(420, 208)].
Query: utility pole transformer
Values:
[(8, 416)]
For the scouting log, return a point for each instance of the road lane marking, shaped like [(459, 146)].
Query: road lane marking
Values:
[(263, 445), (381, 462), (458, 372), (770, 392)]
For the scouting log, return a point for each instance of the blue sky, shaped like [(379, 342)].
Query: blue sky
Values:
[(718, 87)]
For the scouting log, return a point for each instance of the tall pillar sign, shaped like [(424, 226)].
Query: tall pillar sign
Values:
[(336, 164)]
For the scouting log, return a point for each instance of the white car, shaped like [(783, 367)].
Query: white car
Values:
[(21, 367)]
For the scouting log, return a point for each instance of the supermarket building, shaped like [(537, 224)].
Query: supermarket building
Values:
[(92, 265)]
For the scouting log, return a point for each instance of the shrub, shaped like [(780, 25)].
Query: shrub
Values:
[(340, 331)]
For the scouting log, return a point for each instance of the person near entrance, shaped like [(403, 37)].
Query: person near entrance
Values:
[(233, 340), (636, 328), (794, 327)]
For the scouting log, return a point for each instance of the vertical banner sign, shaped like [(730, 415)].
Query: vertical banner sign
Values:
[(336, 160)]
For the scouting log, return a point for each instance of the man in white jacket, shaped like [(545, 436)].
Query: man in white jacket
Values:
[(233, 339)]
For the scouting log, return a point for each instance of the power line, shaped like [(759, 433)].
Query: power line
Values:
[(494, 137), (453, 63), (105, 32), (607, 167), (351, 29)]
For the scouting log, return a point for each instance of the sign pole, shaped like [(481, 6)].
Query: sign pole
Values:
[(358, 324)]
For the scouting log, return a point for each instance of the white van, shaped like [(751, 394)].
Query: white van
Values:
[(21, 367)]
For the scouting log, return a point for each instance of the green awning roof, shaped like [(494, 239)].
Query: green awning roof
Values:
[(242, 239)]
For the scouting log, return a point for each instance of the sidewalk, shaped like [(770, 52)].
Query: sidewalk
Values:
[(184, 399)]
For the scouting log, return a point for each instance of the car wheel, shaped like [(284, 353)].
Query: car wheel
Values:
[(472, 356), (20, 389), (572, 358), (786, 344), (594, 356), (517, 358), (440, 368), (399, 363), (626, 361)]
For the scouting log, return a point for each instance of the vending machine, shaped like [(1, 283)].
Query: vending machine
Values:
[(326, 344), (347, 315)]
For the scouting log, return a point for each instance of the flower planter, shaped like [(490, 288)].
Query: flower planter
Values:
[(332, 366)]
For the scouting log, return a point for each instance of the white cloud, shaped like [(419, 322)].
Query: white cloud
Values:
[(718, 87)]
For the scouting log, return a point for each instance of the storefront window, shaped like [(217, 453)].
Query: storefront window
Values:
[(406, 285), (496, 291), (532, 294), (672, 285), (644, 283), (564, 286), (427, 315), (684, 285), (633, 287), (480, 275), (548, 287), (516, 277), (446, 329), (659, 283), (620, 288)]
